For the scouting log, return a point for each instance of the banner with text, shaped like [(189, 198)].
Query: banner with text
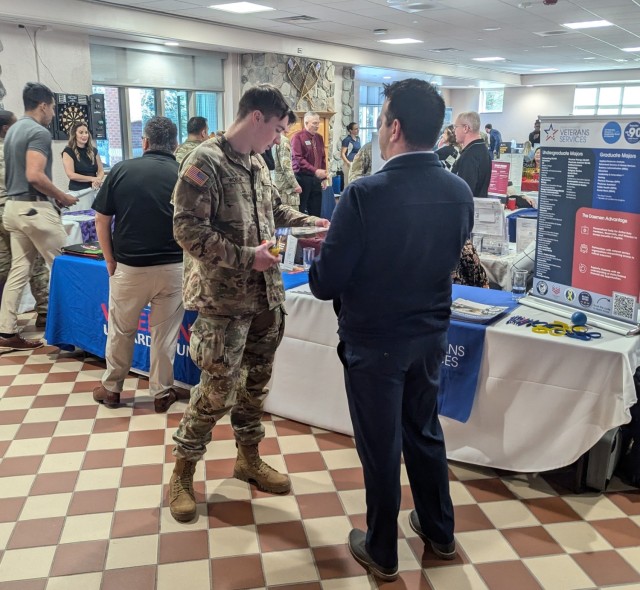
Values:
[(588, 238)]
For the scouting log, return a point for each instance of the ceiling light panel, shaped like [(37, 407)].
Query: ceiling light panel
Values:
[(241, 7)]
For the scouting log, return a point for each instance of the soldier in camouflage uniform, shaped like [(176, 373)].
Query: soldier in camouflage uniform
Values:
[(198, 130), (361, 165), (39, 280), (285, 178), (226, 210)]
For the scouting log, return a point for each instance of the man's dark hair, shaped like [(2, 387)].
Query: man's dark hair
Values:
[(196, 125), (34, 94), (292, 117), (488, 126), (5, 118), (418, 107), (264, 98), (162, 134)]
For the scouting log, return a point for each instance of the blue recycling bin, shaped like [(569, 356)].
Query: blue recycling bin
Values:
[(336, 183)]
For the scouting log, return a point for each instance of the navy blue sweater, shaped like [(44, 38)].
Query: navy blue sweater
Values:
[(394, 239)]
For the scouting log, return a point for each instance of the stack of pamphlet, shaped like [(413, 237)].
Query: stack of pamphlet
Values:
[(88, 250), (471, 311)]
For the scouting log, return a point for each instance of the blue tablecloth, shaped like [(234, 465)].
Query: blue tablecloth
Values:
[(79, 310), (461, 365)]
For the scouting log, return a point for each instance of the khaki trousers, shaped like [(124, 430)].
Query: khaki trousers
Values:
[(34, 227), (131, 288)]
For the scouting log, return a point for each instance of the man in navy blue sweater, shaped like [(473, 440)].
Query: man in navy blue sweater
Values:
[(394, 239)]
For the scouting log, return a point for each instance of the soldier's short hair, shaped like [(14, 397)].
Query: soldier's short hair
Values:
[(292, 117), (162, 134), (6, 117), (418, 107), (34, 94), (265, 98), (470, 118), (196, 125)]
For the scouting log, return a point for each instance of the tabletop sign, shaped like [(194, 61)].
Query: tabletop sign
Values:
[(290, 252), (588, 237), (499, 178)]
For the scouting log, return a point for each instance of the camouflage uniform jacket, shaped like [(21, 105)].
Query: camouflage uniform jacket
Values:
[(361, 165), (224, 206), (284, 178), (3, 187), (184, 148)]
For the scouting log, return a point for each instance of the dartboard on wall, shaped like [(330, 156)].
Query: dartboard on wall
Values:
[(70, 109)]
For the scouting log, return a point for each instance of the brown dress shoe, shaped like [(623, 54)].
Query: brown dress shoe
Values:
[(106, 397), (17, 342), (162, 404)]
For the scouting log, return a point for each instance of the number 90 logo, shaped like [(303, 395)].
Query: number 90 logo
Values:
[(632, 132)]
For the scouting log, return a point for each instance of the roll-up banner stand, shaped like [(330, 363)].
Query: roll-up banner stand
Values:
[(588, 238)]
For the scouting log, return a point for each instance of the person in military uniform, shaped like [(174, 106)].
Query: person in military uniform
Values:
[(361, 165), (226, 210), (39, 280), (198, 130), (285, 179)]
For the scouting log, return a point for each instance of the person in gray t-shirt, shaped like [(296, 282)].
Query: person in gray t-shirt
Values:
[(30, 217)]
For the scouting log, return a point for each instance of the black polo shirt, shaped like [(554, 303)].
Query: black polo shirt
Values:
[(474, 166), (138, 194)]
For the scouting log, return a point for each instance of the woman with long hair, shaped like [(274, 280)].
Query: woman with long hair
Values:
[(81, 159)]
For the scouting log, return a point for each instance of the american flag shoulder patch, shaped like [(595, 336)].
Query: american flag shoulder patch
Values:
[(195, 175)]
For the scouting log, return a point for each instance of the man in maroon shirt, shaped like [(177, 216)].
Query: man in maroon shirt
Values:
[(310, 164)]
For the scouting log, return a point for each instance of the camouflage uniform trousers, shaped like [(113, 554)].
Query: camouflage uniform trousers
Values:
[(235, 355), (39, 280)]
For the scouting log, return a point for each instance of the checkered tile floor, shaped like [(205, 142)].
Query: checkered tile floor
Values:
[(83, 505)]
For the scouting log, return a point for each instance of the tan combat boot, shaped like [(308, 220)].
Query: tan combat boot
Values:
[(252, 469), (182, 501)]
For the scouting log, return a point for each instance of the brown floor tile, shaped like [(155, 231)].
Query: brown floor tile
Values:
[(10, 509), (140, 408), (232, 513), (24, 585), (141, 475), (218, 468), (187, 546), (63, 377), (301, 586), (36, 533), (28, 465), (406, 498), (50, 401), (620, 532), (103, 459), (532, 541), (168, 454), (22, 390), (93, 364), (469, 517), (428, 558), (86, 387), (92, 502), (348, 479), (488, 490), (358, 521), (6, 380), (290, 428), (414, 580), (551, 510), (628, 502), (36, 369), (173, 419), (606, 568), (68, 444), (507, 575), (80, 412), (336, 561), (135, 523), (4, 445), (79, 558), (54, 483), (146, 438), (36, 430), (332, 441), (269, 446), (280, 536), (138, 578), (238, 573), (220, 431), (319, 505), (117, 424), (12, 416), (300, 462)]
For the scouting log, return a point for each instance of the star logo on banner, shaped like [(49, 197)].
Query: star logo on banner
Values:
[(551, 132)]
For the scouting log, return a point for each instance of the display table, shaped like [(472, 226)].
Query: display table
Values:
[(78, 314), (500, 268), (541, 401)]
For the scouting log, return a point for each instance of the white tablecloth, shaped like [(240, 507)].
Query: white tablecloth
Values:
[(542, 401), (499, 268)]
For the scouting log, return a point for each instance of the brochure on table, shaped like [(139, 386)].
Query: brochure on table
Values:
[(588, 237), (490, 223)]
